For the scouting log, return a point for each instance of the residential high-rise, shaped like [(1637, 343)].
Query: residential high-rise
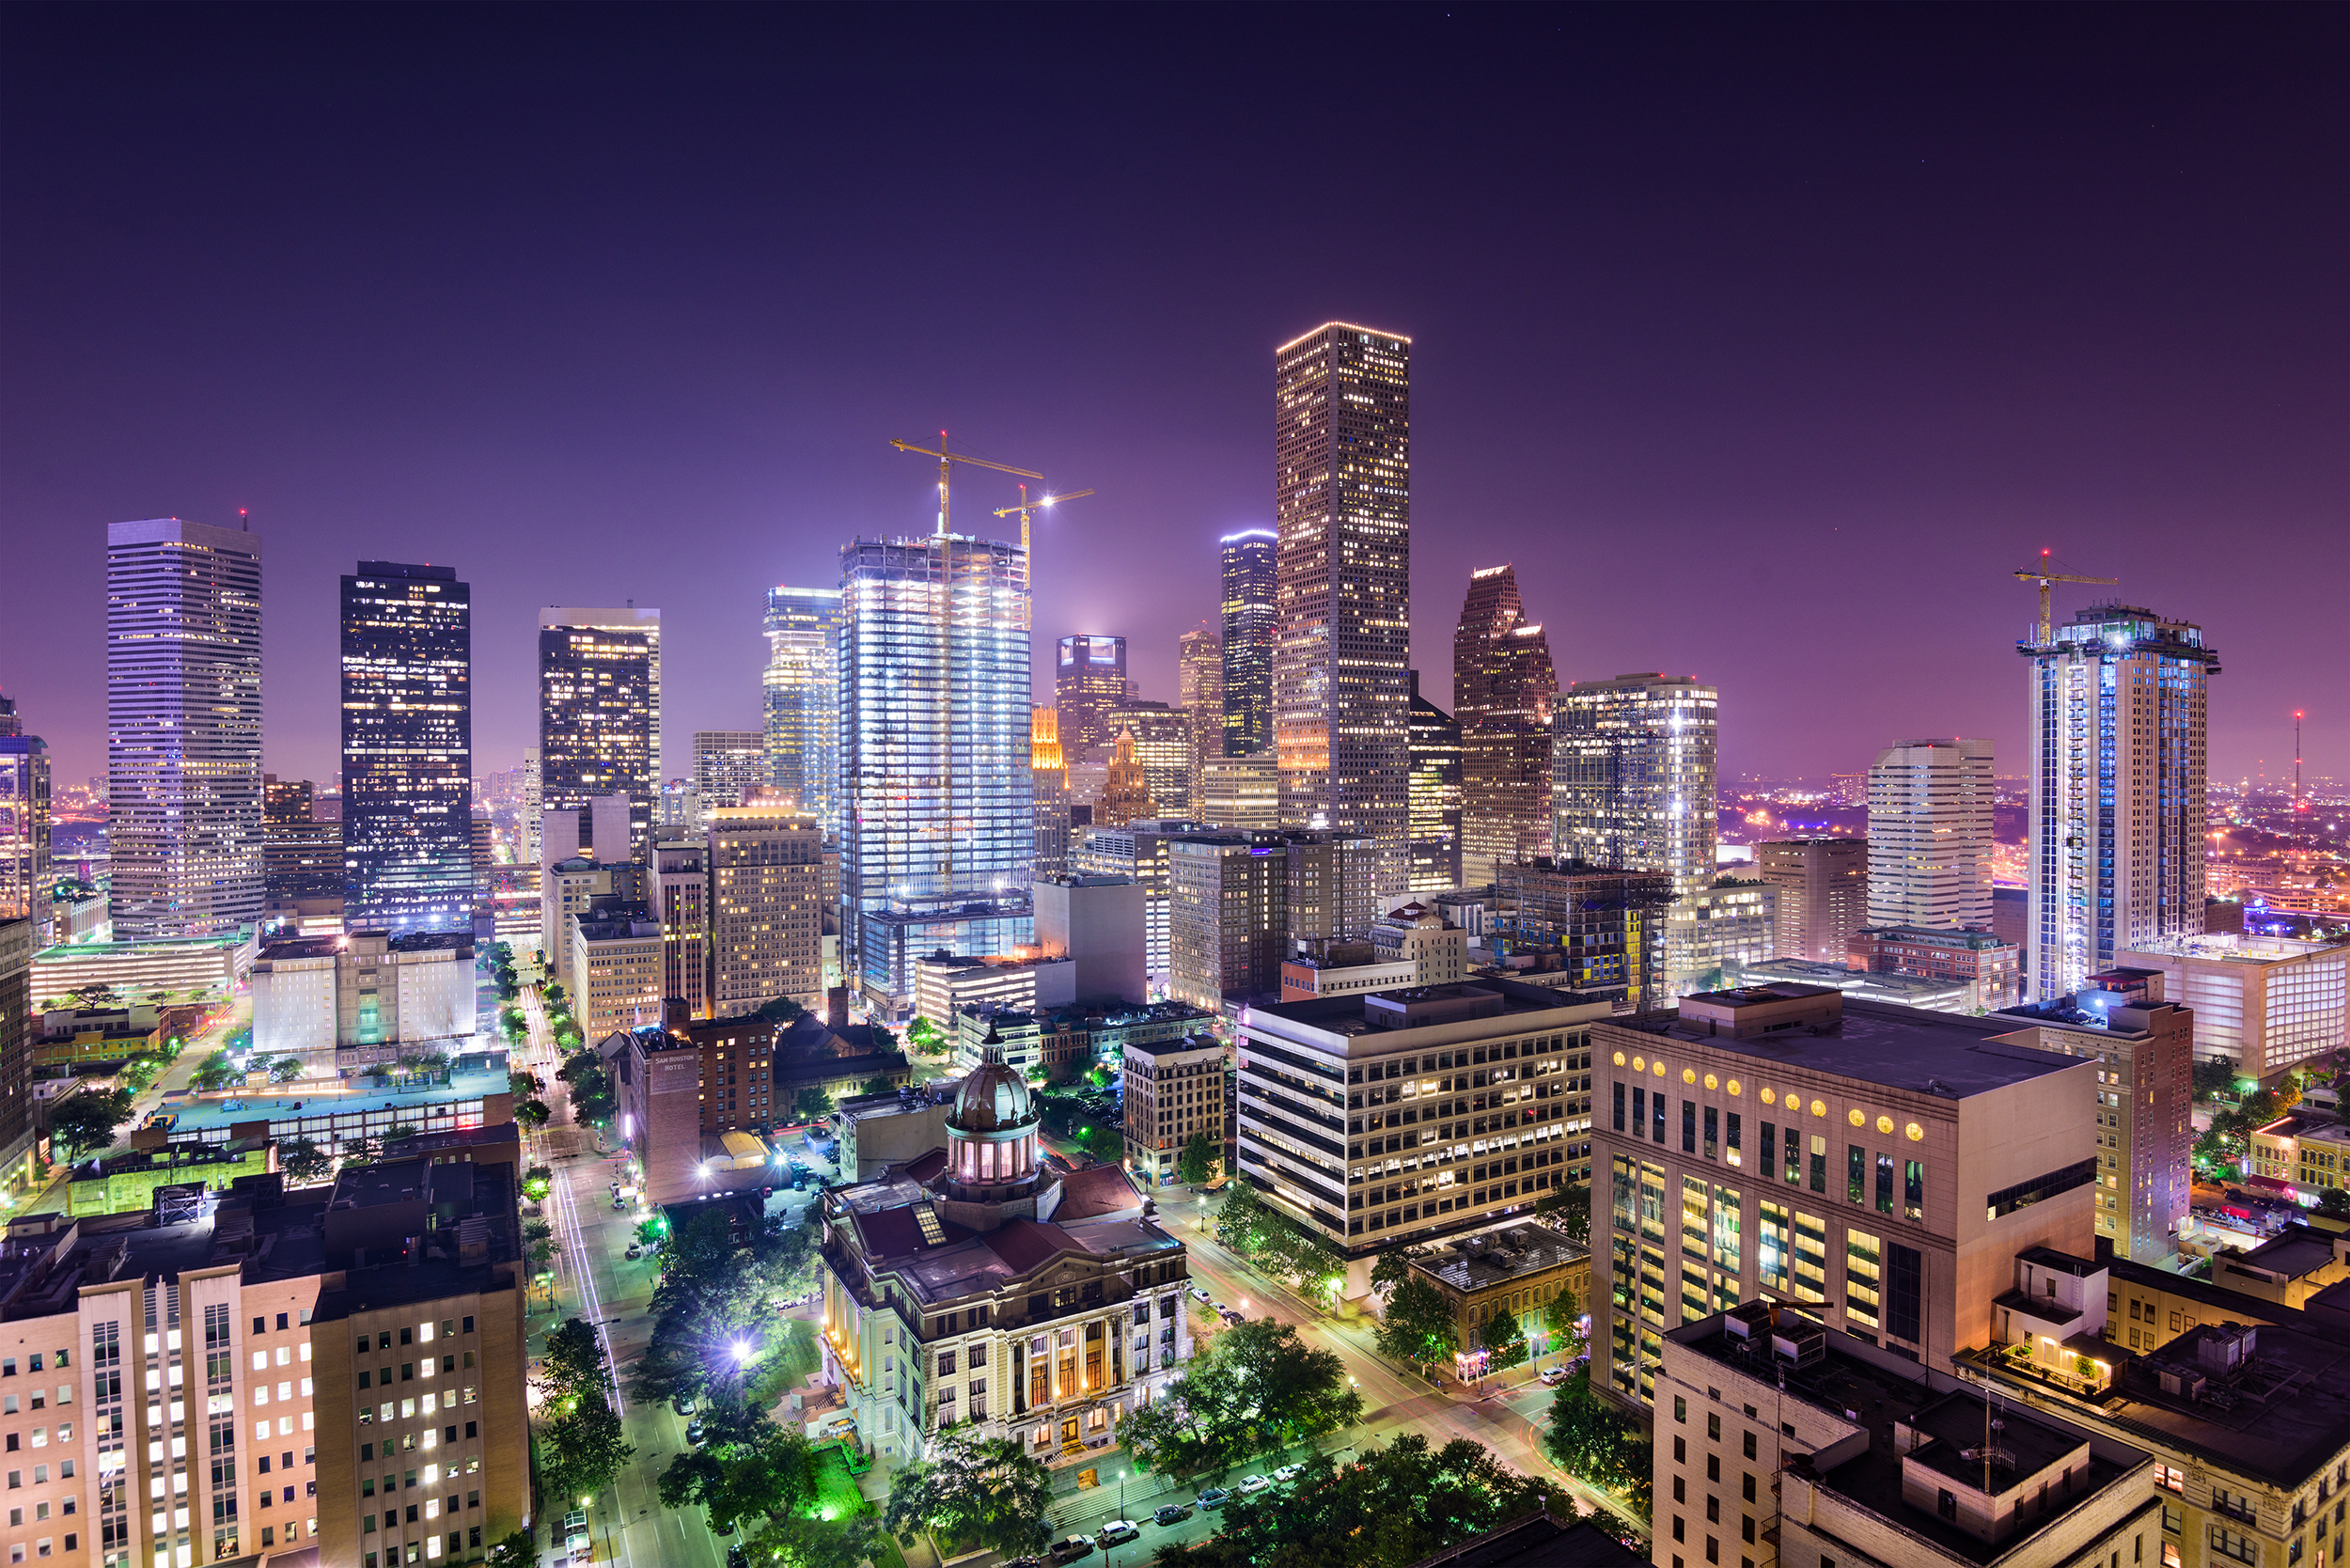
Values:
[(1503, 689), (803, 700), (766, 916), (1632, 777), (731, 768), (1930, 834), (1342, 508), (2115, 858), (1089, 680), (1250, 584), (1128, 797), (1162, 749), (1228, 926), (682, 866), (534, 802), (183, 729), (1822, 889), (936, 753), (1199, 693), (600, 715), (1048, 795), (1435, 795), (25, 876), (407, 682)]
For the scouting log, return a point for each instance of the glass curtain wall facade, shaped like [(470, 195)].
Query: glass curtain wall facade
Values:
[(1435, 795), (183, 729), (407, 667), (1250, 585), (1200, 693), (2118, 773), (802, 697), (935, 736), (1342, 509), (1633, 774), (599, 715), (1503, 689), (1089, 680), (25, 874)]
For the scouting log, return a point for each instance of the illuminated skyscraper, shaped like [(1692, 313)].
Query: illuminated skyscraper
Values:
[(1342, 508), (1089, 680), (1930, 804), (803, 689), (731, 768), (1128, 797), (1435, 795), (407, 666), (1162, 748), (1200, 693), (183, 729), (1048, 790), (1250, 585), (599, 715), (1503, 688), (1632, 777), (2115, 859), (936, 753), (25, 874)]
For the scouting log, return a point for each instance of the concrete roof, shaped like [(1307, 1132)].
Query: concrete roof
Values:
[(1897, 1047)]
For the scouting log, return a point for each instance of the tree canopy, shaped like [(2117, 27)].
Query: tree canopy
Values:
[(1592, 1441), (973, 1491), (1200, 1156), (302, 1161), (1417, 1326), (1255, 1390), (749, 1469), (88, 1119), (1504, 1339), (1246, 1225)]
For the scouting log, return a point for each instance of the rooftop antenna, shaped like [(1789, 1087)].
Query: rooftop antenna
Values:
[(246, 526), (2298, 803)]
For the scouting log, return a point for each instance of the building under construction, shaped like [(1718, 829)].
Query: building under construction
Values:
[(1596, 928)]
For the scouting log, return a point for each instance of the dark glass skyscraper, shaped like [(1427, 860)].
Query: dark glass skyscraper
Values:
[(1089, 680), (407, 748), (1503, 689), (600, 715), (1435, 795), (1248, 585)]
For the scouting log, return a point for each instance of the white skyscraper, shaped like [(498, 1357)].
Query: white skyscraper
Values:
[(2117, 781), (1930, 834), (183, 728), (1342, 605)]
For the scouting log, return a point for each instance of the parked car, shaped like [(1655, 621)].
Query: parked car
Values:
[(618, 1204), (1169, 1514), (694, 1432), (1553, 1375), (1218, 1308), (1025, 1563), (1071, 1548), (1231, 1316), (737, 1557), (682, 1404), (1199, 1294), (634, 1252), (1215, 1496), (1288, 1473), (1118, 1532), (1251, 1485)]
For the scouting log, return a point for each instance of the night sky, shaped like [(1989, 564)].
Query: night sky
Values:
[(1766, 343)]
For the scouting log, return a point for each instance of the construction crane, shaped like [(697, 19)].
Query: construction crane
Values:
[(946, 457), (1046, 501), (2044, 577)]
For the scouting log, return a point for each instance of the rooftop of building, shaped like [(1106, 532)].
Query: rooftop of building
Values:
[(2108, 1012), (1936, 936), (1109, 1012), (1482, 1259), (1181, 1046), (1901, 989), (301, 947), (1942, 1054), (2231, 947), (1404, 1008), (617, 921)]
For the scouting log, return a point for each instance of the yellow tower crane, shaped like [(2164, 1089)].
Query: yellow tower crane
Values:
[(1047, 501), (946, 457), (2044, 577)]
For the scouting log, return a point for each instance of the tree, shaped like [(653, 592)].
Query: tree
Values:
[(532, 1113), (973, 1491), (401, 1132), (925, 1036), (284, 1070), (811, 1104), (2334, 1203), (1245, 1225), (750, 1469), (1397, 1506), (303, 1162), (552, 993), (538, 1243), (1393, 1266), (1562, 1318), (1197, 1166), (1592, 1441), (2213, 1076), (88, 1119), (361, 1151), (216, 1072), (799, 1542), (1504, 1339), (1256, 1391), (587, 1447), (780, 1011), (649, 1231), (518, 1550), (574, 1363), (522, 1086), (878, 1083), (1418, 1325)]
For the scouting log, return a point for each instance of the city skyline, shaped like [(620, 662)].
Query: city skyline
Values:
[(1714, 400)]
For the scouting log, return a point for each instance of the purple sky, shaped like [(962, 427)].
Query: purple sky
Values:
[(1765, 343)]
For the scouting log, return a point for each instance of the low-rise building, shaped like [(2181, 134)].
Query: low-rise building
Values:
[(615, 967), (342, 1004), (2306, 1150), (876, 1131), (186, 967), (1780, 1439), (2265, 1004), (891, 941), (1174, 1092), (978, 1284), (1991, 969), (945, 983), (1517, 1268)]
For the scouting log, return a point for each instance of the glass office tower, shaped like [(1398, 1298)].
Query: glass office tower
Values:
[(1435, 796), (1632, 777), (1503, 689), (600, 716), (407, 668), (1249, 584), (803, 696), (1089, 680)]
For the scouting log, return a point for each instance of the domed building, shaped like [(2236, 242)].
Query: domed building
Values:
[(988, 1283)]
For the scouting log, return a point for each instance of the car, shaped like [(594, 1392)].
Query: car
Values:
[(1235, 1318), (1118, 1532), (1215, 1496), (1199, 1294), (1553, 1375), (1218, 1308), (1025, 1562), (1169, 1514), (1288, 1473), (634, 1252), (1072, 1547), (737, 1557), (618, 1204), (694, 1432), (684, 1405), (1251, 1485)]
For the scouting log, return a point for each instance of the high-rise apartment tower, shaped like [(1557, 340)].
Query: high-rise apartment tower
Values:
[(2118, 778), (1503, 689), (1930, 834), (600, 715), (183, 728), (1342, 507), (407, 667), (803, 700), (1250, 585)]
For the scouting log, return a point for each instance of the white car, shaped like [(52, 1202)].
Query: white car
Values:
[(1250, 1485), (1553, 1375), (1199, 1294), (1117, 1532), (1288, 1473)]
